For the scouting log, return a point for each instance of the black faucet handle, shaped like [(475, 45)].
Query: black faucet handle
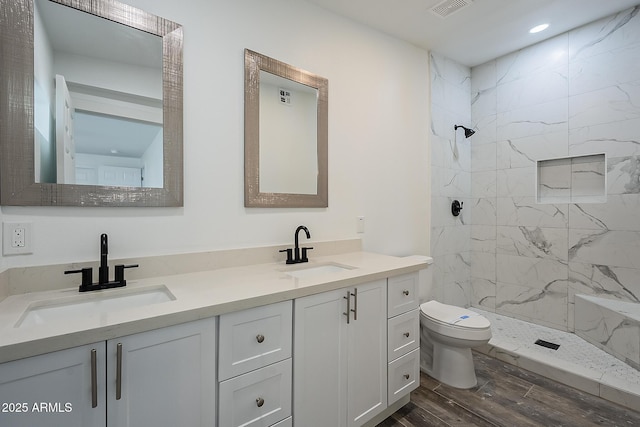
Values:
[(289, 252), (304, 258), (104, 244), (87, 277), (119, 272)]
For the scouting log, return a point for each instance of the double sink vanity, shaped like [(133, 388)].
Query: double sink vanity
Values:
[(333, 341)]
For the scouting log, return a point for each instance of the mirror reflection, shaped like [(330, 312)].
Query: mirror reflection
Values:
[(288, 136), (98, 110)]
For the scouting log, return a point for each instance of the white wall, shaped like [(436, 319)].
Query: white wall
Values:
[(152, 161), (43, 58), (378, 141), (81, 69), (44, 96)]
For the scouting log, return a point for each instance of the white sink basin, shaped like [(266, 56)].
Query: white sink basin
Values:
[(79, 306), (317, 270)]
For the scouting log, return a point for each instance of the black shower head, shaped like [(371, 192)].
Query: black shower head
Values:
[(467, 132)]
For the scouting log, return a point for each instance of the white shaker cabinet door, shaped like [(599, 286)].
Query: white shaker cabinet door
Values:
[(320, 360), (340, 361), (55, 389), (164, 377), (367, 384)]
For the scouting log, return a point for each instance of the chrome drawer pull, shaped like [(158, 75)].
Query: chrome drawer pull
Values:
[(260, 338), (94, 379), (405, 292), (259, 402), (348, 313), (119, 371), (355, 304), (406, 376), (406, 334)]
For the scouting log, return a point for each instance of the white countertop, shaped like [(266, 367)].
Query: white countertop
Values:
[(197, 296)]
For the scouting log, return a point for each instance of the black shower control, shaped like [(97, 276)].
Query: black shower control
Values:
[(456, 207)]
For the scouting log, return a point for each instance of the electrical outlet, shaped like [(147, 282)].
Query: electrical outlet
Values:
[(16, 238)]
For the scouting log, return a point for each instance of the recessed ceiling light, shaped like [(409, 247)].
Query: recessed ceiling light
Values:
[(539, 28)]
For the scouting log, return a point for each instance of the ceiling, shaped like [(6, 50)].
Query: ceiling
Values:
[(72, 31), (482, 31)]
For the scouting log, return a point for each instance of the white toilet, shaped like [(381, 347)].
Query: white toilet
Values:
[(447, 335)]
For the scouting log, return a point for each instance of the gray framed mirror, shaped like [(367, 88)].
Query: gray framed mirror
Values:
[(119, 101), (285, 135)]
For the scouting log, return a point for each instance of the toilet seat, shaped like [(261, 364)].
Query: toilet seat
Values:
[(455, 322)]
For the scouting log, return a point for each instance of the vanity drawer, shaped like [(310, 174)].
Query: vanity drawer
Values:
[(259, 398), (403, 294), (404, 334), (253, 338), (284, 423), (404, 375)]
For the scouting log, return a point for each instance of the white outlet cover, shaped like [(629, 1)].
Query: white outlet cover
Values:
[(7, 238), (17, 240)]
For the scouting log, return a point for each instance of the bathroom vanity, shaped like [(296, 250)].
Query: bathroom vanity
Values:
[(334, 342)]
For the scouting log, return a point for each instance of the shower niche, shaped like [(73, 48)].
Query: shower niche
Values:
[(578, 179)]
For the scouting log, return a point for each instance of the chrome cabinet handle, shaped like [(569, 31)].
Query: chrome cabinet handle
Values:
[(348, 313), (260, 338), (259, 402), (119, 371), (406, 376), (94, 379), (406, 334), (405, 292), (355, 304)]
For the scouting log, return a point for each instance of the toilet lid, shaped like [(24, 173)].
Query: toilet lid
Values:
[(453, 316)]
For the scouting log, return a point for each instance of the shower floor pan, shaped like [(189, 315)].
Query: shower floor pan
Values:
[(576, 363)]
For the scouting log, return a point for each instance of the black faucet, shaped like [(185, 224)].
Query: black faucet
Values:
[(103, 271), (294, 256)]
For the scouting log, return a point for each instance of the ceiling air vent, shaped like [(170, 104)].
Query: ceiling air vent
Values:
[(449, 7)]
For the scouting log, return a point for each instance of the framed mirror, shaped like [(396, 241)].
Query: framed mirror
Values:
[(286, 135), (89, 123)]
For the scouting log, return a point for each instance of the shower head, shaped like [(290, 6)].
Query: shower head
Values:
[(467, 132)]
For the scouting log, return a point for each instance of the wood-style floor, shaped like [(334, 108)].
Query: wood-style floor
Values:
[(507, 396)]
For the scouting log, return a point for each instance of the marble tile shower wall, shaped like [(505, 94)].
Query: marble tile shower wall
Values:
[(573, 95), (450, 180)]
